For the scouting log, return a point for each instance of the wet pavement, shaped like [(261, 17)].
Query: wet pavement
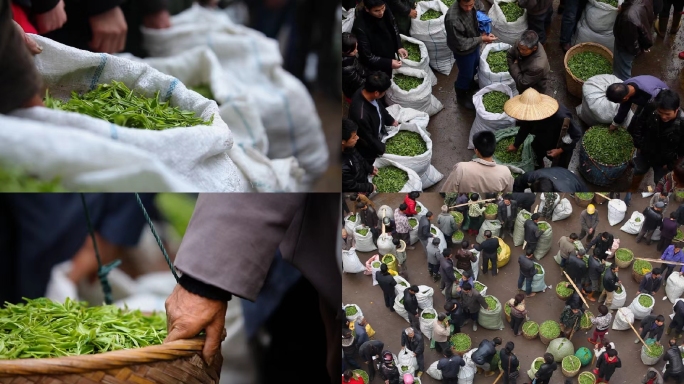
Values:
[(358, 289), (450, 128)]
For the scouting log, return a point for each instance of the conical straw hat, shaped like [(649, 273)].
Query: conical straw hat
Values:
[(531, 106)]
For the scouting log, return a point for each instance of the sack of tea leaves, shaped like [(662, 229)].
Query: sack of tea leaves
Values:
[(418, 58), (674, 287), (623, 318), (507, 31), (253, 62), (562, 211), (406, 359), (351, 262), (489, 225), (432, 33), (490, 121), (412, 150), (427, 322), (596, 109), (348, 16), (633, 225), (424, 296), (491, 318), (399, 307), (406, 182), (385, 244), (351, 221), (375, 264), (538, 282), (401, 286), (352, 311), (619, 298), (642, 305), (411, 88), (409, 115), (545, 242), (519, 227), (524, 158), (596, 24), (440, 235), (364, 239), (616, 211), (433, 372), (486, 76)]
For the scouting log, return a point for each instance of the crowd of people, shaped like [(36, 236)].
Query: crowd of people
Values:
[(597, 280), (373, 49)]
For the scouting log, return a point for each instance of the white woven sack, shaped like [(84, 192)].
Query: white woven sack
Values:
[(596, 108), (254, 62), (487, 121), (424, 296), (466, 375), (364, 243), (632, 226), (421, 163), (648, 360), (399, 308), (475, 265), (348, 16), (355, 316), (374, 270), (424, 63), (350, 225), (426, 325), (584, 34), (385, 244), (419, 98), (616, 211), (623, 318), (433, 372), (199, 153), (440, 236), (409, 115), (385, 211), (675, 287), (656, 235), (485, 76), (433, 34), (639, 310), (562, 211), (423, 210), (399, 289), (413, 233), (351, 262), (488, 225), (413, 183), (506, 32), (619, 299), (600, 16)]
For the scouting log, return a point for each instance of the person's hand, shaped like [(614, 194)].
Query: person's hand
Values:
[(591, 230), (188, 314), (414, 354), (511, 148), (31, 44), (375, 171), (395, 123), (402, 53), (109, 31), (603, 261), (413, 14), (159, 20), (52, 19), (489, 38), (396, 64), (386, 381), (84, 263), (638, 292), (612, 128), (641, 329), (554, 152), (458, 289), (619, 282)]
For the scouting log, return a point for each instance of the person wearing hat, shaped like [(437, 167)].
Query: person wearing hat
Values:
[(447, 224), (507, 212), (555, 134), (527, 62), (589, 220), (653, 218), (388, 370)]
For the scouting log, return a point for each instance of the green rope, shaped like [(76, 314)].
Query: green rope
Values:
[(102, 270), (156, 237)]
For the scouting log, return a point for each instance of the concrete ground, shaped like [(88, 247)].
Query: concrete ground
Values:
[(450, 128), (358, 289)]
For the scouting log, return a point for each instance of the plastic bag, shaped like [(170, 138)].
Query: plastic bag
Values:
[(419, 98), (538, 283), (623, 318), (562, 211), (632, 226), (433, 34), (364, 243), (348, 16), (584, 355), (544, 243), (424, 297), (508, 33), (489, 225), (428, 174), (400, 288), (413, 183), (675, 287), (351, 263), (406, 358), (399, 308), (560, 348), (486, 77), (433, 372), (385, 244), (519, 227), (491, 319), (619, 299), (426, 325), (596, 108), (424, 63), (639, 310), (487, 121), (354, 316), (616, 211)]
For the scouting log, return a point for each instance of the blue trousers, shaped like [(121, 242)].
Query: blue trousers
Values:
[(528, 283), (622, 64), (571, 13), (467, 68)]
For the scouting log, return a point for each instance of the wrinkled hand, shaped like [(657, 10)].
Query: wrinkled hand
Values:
[(52, 19), (159, 20), (395, 123), (31, 44), (375, 171), (402, 53), (188, 314), (488, 38), (554, 152), (612, 128), (396, 64), (109, 31), (511, 148), (413, 14)]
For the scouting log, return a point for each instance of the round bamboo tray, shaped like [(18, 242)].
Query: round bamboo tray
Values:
[(175, 362), (573, 83)]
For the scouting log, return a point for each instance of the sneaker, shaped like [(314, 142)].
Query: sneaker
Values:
[(419, 374), (664, 298), (475, 328)]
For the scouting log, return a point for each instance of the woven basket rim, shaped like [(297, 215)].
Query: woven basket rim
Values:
[(102, 361), (579, 48), (584, 148)]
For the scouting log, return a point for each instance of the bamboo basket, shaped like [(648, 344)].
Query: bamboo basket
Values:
[(567, 373), (679, 195), (490, 216), (582, 203), (528, 336), (600, 199), (588, 374), (175, 362), (636, 276), (573, 83), (564, 298), (624, 264), (587, 327), (507, 315), (545, 340)]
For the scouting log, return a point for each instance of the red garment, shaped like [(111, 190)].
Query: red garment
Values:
[(411, 204), (21, 18), (352, 381)]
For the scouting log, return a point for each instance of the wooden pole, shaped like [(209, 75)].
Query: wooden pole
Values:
[(658, 260), (383, 222), (471, 202), (638, 335), (576, 289), (498, 377), (572, 332), (602, 195)]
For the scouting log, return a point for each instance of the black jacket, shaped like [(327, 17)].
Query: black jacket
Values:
[(601, 245), (410, 302), (575, 301), (661, 143), (649, 284), (369, 217), (365, 115), (485, 352), (632, 26), (532, 231), (355, 171), (607, 369), (353, 75), (648, 322), (595, 268), (390, 372), (610, 281), (386, 282), (547, 131), (378, 40), (673, 359), (424, 228), (524, 200), (446, 270), (506, 359), (351, 350), (371, 348), (489, 246), (502, 213), (416, 344), (679, 214), (575, 268), (546, 371), (679, 312), (457, 316), (527, 267), (451, 366), (563, 180), (652, 219)]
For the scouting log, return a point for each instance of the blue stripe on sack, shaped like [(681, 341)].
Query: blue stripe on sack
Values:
[(255, 50), (98, 71), (245, 123), (172, 87), (290, 123), (113, 132)]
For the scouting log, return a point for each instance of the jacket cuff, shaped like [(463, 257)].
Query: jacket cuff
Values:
[(205, 290), (42, 6)]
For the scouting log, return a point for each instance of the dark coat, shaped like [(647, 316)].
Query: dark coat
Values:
[(648, 322), (371, 348), (446, 270), (595, 268), (369, 217), (673, 359), (462, 32), (355, 171), (532, 231), (668, 229), (650, 284), (502, 212), (463, 259), (575, 268), (661, 143), (679, 313), (473, 302), (489, 246), (547, 131), (610, 281), (527, 267), (509, 362), (607, 369), (679, 214), (601, 245), (378, 40), (485, 352), (652, 219), (451, 366), (632, 28), (524, 200), (353, 75), (400, 10), (530, 71), (410, 302), (391, 373), (646, 88), (424, 228), (535, 7), (415, 344), (575, 301), (457, 316), (563, 180), (546, 371), (365, 115), (386, 282)]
